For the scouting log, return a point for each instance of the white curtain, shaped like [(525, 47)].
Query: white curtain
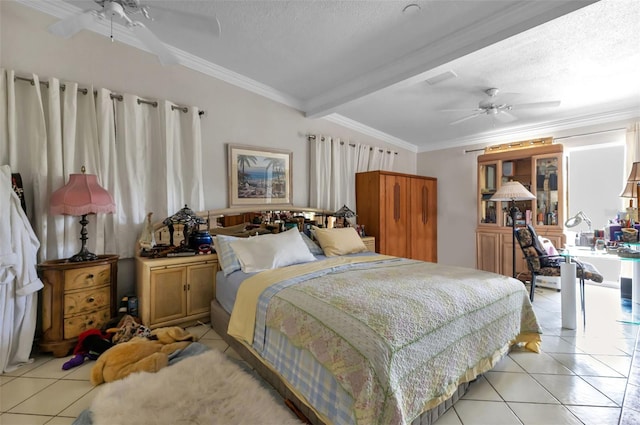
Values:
[(149, 160), (333, 167)]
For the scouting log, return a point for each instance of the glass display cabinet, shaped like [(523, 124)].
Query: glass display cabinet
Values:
[(539, 169)]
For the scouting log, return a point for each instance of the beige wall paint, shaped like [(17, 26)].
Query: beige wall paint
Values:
[(233, 115)]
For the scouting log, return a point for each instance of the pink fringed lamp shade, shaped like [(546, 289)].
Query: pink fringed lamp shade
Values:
[(81, 195)]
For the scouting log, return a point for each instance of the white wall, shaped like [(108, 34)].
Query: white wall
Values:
[(233, 115)]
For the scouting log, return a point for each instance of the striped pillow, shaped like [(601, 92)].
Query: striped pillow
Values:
[(226, 255)]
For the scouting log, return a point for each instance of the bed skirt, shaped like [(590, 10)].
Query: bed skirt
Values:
[(220, 323)]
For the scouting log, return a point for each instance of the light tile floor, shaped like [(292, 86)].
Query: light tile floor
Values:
[(579, 378)]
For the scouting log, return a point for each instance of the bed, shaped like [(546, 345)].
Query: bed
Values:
[(353, 337)]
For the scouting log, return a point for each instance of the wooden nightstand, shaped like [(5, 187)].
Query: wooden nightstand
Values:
[(370, 243), (77, 296), (176, 290)]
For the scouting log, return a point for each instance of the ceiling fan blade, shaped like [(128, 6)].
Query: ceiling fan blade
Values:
[(206, 24), (468, 117), (70, 26), (550, 104), (505, 116), (153, 43), (461, 110)]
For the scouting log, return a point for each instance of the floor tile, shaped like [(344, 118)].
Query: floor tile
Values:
[(198, 330), (216, 344), (570, 389), (507, 364), (472, 412), (584, 364), (540, 363), (632, 397), (81, 404), (557, 344), (519, 387), (13, 419), (630, 417), (59, 420), (620, 364), (450, 417), (82, 372), (544, 414), (51, 369), (613, 388), (480, 389), (4, 379), (37, 362), (53, 399), (592, 415), (19, 389)]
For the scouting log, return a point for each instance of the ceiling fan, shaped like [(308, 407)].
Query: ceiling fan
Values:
[(500, 111), (124, 10)]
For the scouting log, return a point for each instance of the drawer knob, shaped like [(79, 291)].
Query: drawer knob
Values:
[(91, 299), (90, 322), (90, 276)]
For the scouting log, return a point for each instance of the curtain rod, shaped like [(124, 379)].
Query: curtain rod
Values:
[(563, 137), (313, 137), (116, 96)]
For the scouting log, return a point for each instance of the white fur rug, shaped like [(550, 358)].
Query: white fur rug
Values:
[(205, 389)]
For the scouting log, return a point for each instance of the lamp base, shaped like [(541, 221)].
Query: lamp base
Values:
[(83, 255)]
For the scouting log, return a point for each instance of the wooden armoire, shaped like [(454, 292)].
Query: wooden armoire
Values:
[(400, 210)]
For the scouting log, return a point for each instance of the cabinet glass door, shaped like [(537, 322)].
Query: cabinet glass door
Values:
[(547, 191), (487, 176)]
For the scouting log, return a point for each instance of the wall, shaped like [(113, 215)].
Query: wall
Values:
[(233, 115), (457, 185)]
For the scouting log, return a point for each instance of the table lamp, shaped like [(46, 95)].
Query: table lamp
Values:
[(81, 196), (631, 188), (512, 191), (346, 214)]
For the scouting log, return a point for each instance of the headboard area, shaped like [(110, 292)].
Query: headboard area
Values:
[(240, 222)]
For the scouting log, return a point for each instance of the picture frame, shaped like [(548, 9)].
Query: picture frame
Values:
[(259, 176)]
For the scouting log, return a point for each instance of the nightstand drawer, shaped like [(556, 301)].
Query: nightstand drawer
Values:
[(91, 300), (87, 276), (75, 325)]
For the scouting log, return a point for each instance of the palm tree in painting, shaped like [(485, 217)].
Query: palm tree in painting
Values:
[(277, 186), (245, 160)]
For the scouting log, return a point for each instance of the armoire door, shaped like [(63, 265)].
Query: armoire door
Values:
[(423, 229), (395, 226)]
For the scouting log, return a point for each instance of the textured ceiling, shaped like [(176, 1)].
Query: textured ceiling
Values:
[(364, 63)]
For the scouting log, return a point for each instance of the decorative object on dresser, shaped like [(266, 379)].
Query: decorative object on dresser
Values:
[(81, 196), (400, 211), (538, 165), (512, 192), (631, 190), (77, 296), (259, 176)]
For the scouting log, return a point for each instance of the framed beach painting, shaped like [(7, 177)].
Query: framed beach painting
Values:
[(259, 176)]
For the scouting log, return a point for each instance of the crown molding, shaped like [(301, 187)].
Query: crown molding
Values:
[(61, 10), (361, 128), (527, 131)]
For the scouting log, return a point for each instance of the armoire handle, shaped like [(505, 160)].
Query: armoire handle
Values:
[(396, 202), (425, 204)]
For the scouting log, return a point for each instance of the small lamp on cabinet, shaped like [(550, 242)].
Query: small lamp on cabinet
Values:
[(81, 196)]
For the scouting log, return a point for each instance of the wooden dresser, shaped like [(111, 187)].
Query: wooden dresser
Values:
[(77, 296)]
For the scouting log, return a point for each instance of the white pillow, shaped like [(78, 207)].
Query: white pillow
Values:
[(271, 251), (314, 248)]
